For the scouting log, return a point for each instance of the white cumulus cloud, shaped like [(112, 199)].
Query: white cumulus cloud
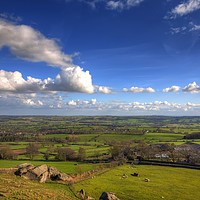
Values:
[(105, 90), (68, 80), (74, 80), (72, 103), (192, 88), (172, 89), (29, 44), (137, 90)]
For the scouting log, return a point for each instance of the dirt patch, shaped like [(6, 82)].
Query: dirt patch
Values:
[(19, 151)]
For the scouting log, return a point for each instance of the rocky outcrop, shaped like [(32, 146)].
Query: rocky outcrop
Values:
[(53, 172), (24, 165), (64, 177), (39, 170), (41, 173), (24, 168), (108, 196), (44, 177), (29, 175)]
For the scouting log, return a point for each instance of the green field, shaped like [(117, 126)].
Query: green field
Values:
[(67, 167), (167, 182)]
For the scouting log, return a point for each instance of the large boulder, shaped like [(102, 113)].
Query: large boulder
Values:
[(64, 177), (108, 196), (29, 175), (40, 169), (24, 165), (24, 168), (53, 173), (44, 177)]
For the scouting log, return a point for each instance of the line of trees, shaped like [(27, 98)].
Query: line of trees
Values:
[(166, 152), (195, 135)]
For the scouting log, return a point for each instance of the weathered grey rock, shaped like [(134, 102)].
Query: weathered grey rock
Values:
[(26, 169), (64, 177), (41, 173), (40, 169), (24, 165), (108, 196), (44, 177), (29, 175), (53, 173), (23, 168)]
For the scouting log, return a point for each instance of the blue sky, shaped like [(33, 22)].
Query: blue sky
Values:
[(99, 57)]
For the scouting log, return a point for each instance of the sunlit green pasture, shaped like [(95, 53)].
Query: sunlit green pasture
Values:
[(148, 137), (165, 183)]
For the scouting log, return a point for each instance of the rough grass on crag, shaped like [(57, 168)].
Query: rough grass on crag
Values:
[(13, 187)]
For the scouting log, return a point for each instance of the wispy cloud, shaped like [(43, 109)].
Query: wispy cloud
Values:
[(11, 17), (194, 27), (185, 8), (114, 4), (175, 30), (185, 29)]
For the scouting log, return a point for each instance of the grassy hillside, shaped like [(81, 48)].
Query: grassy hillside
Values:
[(13, 187), (165, 182)]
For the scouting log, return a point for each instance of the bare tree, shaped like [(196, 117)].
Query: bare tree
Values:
[(32, 150), (6, 153), (186, 152), (81, 154), (66, 154)]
